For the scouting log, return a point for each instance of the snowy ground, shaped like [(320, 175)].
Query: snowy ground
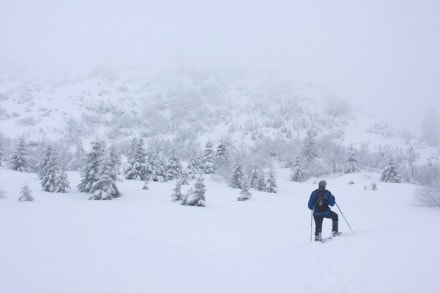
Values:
[(143, 242)]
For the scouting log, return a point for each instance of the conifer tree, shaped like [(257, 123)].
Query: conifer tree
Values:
[(208, 158), (26, 194), (390, 173), (261, 182), (20, 158), (48, 171), (253, 177), (184, 179), (310, 148), (62, 182), (244, 193), (174, 167), (90, 172), (194, 166), (297, 173), (271, 184), (236, 179), (196, 196), (221, 157), (105, 187), (115, 158), (177, 191), (135, 168), (78, 158), (352, 162)]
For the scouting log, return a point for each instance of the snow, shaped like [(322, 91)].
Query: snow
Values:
[(144, 242)]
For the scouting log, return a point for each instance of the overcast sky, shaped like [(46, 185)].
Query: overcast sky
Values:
[(382, 54)]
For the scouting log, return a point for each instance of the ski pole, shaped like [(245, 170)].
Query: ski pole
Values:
[(344, 217), (311, 226)]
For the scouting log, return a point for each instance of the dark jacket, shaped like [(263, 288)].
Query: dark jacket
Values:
[(328, 196)]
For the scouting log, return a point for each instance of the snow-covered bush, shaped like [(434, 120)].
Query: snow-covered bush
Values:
[(428, 195), (26, 194), (196, 195)]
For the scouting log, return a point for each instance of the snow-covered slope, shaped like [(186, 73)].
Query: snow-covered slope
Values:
[(144, 242)]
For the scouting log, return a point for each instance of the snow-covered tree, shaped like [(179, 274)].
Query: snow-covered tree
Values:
[(20, 159), (221, 158), (174, 167), (196, 196), (115, 157), (177, 191), (25, 194), (244, 193), (390, 173), (135, 168), (62, 182), (208, 158), (310, 147), (157, 167), (297, 171), (261, 182), (185, 179), (105, 187), (194, 166), (78, 157), (237, 177), (271, 183), (351, 165), (411, 156), (48, 171), (90, 172), (253, 177)]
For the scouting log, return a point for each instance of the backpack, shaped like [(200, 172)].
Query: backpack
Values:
[(321, 203)]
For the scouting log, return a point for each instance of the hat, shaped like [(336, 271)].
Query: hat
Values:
[(322, 183)]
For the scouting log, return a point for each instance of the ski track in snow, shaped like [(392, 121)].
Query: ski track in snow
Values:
[(143, 242)]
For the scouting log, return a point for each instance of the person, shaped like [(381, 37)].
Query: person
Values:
[(319, 202)]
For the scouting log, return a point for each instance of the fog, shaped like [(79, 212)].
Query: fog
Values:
[(383, 56)]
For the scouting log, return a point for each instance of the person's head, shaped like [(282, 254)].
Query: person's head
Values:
[(322, 184)]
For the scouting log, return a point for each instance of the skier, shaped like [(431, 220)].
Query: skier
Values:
[(319, 202)]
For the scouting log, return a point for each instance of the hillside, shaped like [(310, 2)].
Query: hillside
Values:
[(145, 242)]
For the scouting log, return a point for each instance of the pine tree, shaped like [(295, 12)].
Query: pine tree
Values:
[(261, 182), (352, 162), (174, 167), (116, 159), (135, 168), (105, 187), (177, 191), (26, 194), (271, 184), (78, 158), (208, 158), (196, 196), (221, 157), (390, 173), (90, 172), (194, 166), (244, 193), (48, 171), (236, 179), (62, 182), (297, 173), (412, 157), (253, 177), (20, 158), (184, 179), (310, 148)]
